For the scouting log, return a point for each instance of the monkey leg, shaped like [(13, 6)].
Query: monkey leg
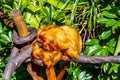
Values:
[(50, 71), (34, 72), (62, 72)]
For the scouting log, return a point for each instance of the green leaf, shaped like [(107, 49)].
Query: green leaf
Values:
[(107, 8), (2, 64), (106, 34), (105, 67), (92, 50), (1, 28), (102, 20), (90, 20), (24, 5), (112, 43), (92, 42), (84, 75), (27, 16), (33, 22), (1, 48), (19, 4), (111, 23), (114, 27), (109, 15), (52, 10), (10, 35), (33, 8), (5, 38), (59, 4), (46, 13), (104, 52), (115, 76), (111, 50), (73, 11), (117, 25), (59, 15), (7, 6)]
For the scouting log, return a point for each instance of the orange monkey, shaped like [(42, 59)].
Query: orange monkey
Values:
[(54, 43)]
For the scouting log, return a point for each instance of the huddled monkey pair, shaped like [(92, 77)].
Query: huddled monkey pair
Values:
[(53, 44)]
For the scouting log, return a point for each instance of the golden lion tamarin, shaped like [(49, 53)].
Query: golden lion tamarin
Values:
[(54, 43)]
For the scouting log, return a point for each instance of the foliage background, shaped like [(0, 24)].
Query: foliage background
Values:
[(97, 21)]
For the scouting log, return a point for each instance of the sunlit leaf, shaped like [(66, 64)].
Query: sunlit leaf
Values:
[(24, 6), (33, 22), (59, 4), (92, 42), (111, 23), (33, 8), (107, 8), (7, 6), (108, 14), (102, 20)]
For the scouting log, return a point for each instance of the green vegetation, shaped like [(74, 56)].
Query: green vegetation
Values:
[(98, 22)]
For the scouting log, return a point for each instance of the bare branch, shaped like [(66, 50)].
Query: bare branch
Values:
[(14, 63), (96, 59)]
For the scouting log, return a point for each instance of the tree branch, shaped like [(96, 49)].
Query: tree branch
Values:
[(96, 59)]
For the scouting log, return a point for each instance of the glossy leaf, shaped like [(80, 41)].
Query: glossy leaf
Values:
[(92, 42), (10, 35), (106, 34), (92, 50), (5, 38), (84, 76), (102, 52)]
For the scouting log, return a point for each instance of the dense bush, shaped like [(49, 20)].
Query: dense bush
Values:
[(97, 21)]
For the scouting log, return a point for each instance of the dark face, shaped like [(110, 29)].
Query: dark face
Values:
[(40, 41)]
